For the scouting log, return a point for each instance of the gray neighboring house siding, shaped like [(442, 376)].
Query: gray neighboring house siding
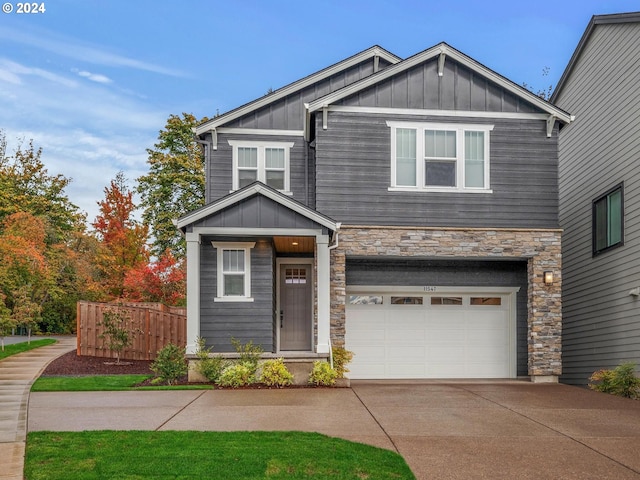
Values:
[(598, 151)]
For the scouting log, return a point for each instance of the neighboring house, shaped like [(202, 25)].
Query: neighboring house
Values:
[(406, 209), (600, 197)]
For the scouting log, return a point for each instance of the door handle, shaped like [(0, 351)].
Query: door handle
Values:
[(281, 318)]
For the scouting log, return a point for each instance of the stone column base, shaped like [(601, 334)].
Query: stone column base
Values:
[(544, 379)]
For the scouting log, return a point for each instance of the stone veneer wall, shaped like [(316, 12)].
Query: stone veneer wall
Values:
[(541, 247)]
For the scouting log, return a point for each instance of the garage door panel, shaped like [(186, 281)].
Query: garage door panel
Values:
[(430, 341)]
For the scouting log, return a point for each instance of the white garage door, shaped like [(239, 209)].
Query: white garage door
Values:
[(450, 334)]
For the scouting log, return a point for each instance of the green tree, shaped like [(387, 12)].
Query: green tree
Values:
[(174, 184), (7, 323)]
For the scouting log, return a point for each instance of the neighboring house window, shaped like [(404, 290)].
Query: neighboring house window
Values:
[(608, 220), (233, 271), (260, 161), (439, 157)]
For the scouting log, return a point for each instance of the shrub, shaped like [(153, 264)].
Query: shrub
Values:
[(170, 364), (249, 353), (341, 356), (236, 375), (322, 374), (209, 367), (275, 373), (620, 381)]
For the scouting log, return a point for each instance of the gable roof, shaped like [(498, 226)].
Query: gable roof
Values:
[(375, 51), (596, 20), (256, 188), (436, 51)]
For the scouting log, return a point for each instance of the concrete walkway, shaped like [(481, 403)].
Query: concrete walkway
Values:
[(17, 373), (457, 430)]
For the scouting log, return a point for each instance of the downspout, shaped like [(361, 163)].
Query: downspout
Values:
[(333, 247)]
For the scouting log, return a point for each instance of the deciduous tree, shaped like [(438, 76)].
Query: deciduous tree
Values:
[(174, 184), (123, 239)]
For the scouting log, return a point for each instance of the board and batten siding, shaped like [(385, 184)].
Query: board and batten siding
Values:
[(245, 321), (599, 150), (449, 273), (288, 112), (353, 176)]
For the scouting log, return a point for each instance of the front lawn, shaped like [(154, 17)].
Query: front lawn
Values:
[(210, 455), (24, 347), (96, 383)]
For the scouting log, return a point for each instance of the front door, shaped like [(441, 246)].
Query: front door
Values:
[(295, 307)]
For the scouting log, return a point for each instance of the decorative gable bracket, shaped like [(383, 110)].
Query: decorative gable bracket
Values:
[(551, 121)]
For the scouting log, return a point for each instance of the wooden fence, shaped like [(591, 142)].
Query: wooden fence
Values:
[(154, 325)]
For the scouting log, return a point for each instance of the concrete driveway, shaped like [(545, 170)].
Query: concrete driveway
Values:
[(510, 430)]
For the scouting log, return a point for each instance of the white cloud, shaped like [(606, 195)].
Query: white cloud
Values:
[(94, 77), (73, 48), (14, 71)]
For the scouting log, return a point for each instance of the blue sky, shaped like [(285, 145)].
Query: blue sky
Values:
[(92, 82)]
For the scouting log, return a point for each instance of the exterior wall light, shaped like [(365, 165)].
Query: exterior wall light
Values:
[(548, 278)]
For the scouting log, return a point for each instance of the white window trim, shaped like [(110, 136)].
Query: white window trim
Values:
[(459, 128), (261, 146), (221, 247)]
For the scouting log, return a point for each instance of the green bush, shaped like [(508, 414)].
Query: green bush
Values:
[(275, 373), (236, 375), (620, 381), (322, 374), (209, 367), (341, 356), (170, 364), (249, 353)]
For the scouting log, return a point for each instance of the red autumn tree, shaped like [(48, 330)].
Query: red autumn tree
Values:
[(123, 238), (161, 281)]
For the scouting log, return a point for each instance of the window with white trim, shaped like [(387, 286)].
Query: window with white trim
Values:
[(267, 162), (438, 157), (233, 271)]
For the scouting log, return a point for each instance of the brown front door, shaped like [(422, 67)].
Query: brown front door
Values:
[(295, 307)]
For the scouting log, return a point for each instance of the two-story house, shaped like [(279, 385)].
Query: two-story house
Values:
[(599, 156), (406, 209)]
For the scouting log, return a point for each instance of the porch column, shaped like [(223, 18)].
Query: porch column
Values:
[(193, 291), (323, 296)]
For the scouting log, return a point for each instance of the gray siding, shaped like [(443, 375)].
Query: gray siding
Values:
[(457, 89), (288, 113), (598, 151), (257, 212), (353, 174), (245, 321), (219, 172), (412, 272)]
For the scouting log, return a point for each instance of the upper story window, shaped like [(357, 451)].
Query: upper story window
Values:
[(262, 161), (439, 157), (608, 220)]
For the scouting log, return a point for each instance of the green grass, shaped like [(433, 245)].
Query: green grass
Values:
[(97, 383), (24, 347), (211, 455)]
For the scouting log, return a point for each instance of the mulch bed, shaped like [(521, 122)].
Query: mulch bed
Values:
[(71, 364)]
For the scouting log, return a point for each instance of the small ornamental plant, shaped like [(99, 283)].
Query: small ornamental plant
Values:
[(170, 365), (117, 330), (322, 374), (275, 373), (249, 354), (210, 367), (621, 381), (341, 356), (236, 375)]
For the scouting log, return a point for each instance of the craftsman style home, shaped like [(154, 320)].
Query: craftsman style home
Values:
[(404, 208), (599, 177)]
